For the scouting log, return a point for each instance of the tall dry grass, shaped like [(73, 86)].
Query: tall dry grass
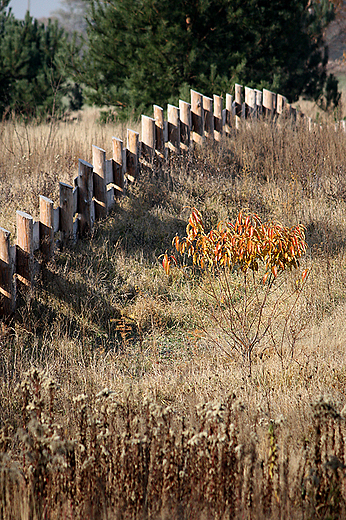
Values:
[(184, 432), (36, 157)]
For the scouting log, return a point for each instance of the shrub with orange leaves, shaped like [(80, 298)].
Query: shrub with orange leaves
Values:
[(241, 245), (229, 254)]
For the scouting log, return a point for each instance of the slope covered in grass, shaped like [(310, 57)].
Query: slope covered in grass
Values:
[(105, 315)]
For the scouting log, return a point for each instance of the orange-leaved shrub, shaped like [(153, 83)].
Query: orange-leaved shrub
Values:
[(243, 262)]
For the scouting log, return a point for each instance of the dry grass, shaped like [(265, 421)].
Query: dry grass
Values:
[(104, 315), (36, 157)]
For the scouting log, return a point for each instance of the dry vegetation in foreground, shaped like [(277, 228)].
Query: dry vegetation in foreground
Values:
[(114, 404)]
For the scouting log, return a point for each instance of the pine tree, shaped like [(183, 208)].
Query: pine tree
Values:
[(31, 65), (152, 51)]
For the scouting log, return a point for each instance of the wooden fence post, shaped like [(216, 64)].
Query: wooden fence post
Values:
[(100, 188), (86, 208), (25, 249), (46, 228), (291, 112), (218, 105), (238, 98), (110, 190), (281, 101), (159, 131), (229, 114), (259, 102), (197, 114), (66, 211), (185, 124), (119, 167), (173, 120), (294, 113), (250, 102), (269, 103), (208, 119), (132, 155), (148, 139), (7, 281)]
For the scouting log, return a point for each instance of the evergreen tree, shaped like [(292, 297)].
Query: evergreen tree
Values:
[(152, 51), (31, 65)]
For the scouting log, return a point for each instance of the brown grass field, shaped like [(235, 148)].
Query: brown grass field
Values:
[(119, 398)]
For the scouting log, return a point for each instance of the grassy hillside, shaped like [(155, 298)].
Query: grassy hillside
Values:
[(127, 401)]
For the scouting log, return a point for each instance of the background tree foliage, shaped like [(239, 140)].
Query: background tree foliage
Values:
[(133, 54), (32, 71), (153, 51)]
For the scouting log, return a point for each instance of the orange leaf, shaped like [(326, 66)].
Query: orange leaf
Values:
[(275, 270), (304, 274), (176, 242), (166, 263)]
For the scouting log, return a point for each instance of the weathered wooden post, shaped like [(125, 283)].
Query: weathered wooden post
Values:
[(86, 208), (132, 155), (100, 189), (290, 112), (173, 119), (269, 103), (7, 281), (148, 139), (25, 249), (229, 113), (218, 105), (259, 102), (208, 119), (250, 102), (238, 98), (46, 225), (281, 101), (66, 211), (159, 131), (197, 115), (294, 113), (185, 124), (110, 190), (119, 166)]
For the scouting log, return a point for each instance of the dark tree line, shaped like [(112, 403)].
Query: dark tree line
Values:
[(151, 51), (134, 53), (31, 75)]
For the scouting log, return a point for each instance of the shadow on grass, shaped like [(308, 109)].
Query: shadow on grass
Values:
[(81, 289), (86, 288), (326, 238)]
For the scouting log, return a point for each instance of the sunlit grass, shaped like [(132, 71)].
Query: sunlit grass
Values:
[(104, 314)]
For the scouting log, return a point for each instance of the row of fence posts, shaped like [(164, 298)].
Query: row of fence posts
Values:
[(98, 185)]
